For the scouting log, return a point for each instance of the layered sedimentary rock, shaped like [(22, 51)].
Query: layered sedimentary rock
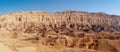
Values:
[(34, 21), (68, 29)]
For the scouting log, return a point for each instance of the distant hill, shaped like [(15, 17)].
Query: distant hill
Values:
[(75, 20), (67, 31)]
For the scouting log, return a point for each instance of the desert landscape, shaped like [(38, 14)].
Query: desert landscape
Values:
[(67, 31)]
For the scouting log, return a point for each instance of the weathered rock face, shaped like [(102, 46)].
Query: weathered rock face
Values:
[(69, 29), (70, 23), (30, 22), (72, 42)]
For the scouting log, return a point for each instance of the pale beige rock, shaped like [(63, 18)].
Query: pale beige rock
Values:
[(4, 48), (68, 31), (27, 49)]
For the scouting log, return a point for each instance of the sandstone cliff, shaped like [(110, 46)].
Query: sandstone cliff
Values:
[(68, 29), (84, 21)]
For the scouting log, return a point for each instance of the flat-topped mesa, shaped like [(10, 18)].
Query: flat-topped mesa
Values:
[(85, 21)]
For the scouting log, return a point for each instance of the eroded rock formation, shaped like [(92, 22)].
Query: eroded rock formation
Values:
[(68, 29)]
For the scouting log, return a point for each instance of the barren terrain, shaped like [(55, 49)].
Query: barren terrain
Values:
[(68, 31)]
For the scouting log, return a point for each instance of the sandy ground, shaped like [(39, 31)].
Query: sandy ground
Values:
[(13, 45)]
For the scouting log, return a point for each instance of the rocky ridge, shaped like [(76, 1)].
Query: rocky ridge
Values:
[(68, 29)]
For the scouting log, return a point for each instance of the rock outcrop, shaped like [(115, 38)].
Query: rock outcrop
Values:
[(30, 22), (69, 29)]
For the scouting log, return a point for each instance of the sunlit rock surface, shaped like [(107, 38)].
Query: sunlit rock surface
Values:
[(68, 31)]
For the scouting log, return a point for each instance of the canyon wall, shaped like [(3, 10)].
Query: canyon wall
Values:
[(71, 29)]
